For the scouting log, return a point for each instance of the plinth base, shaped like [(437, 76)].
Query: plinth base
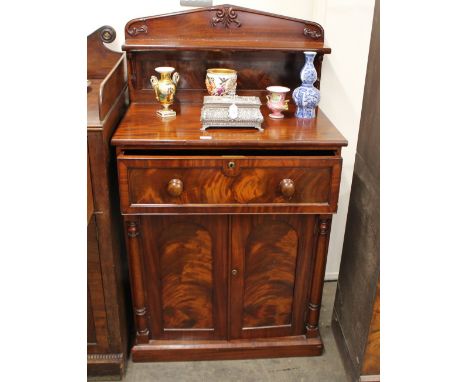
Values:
[(166, 113), (197, 350)]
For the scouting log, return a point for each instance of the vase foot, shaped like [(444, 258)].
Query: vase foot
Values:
[(166, 113), (276, 116)]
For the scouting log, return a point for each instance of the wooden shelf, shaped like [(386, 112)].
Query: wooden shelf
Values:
[(140, 125), (226, 44)]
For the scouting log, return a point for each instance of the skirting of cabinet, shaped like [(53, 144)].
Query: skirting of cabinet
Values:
[(110, 366), (170, 350)]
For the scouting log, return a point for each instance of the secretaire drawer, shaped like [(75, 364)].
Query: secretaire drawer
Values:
[(228, 184)]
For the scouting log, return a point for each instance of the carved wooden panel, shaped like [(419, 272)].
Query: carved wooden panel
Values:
[(185, 275), (212, 182), (270, 255), (227, 23), (269, 269)]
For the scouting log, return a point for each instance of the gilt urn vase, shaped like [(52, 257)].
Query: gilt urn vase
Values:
[(306, 97)]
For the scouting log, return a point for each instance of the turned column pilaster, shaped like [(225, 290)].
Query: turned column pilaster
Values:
[(320, 261), (136, 274)]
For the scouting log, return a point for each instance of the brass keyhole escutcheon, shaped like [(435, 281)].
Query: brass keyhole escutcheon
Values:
[(234, 272), (231, 164)]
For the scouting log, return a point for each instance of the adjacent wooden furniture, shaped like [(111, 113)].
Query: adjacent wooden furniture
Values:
[(356, 322), (227, 229), (107, 101)]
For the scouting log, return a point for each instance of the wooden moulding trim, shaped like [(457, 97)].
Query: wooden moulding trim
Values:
[(215, 8), (135, 265), (323, 231), (234, 349), (243, 27), (106, 365), (142, 47), (370, 378), (106, 357)]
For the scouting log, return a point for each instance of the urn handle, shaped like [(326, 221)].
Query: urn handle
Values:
[(175, 187), (287, 187), (154, 83), (175, 78)]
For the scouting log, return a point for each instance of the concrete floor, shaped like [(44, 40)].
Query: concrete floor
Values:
[(325, 368)]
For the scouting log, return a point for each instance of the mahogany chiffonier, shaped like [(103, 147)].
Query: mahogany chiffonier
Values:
[(107, 95), (227, 229)]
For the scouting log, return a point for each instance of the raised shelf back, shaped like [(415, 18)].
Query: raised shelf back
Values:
[(265, 49)]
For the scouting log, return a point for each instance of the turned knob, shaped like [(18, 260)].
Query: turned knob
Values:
[(175, 187), (287, 187)]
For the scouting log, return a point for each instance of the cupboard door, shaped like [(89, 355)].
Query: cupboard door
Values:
[(185, 261), (270, 269)]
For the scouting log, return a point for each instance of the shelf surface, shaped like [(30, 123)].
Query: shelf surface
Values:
[(93, 103), (142, 127), (227, 44)]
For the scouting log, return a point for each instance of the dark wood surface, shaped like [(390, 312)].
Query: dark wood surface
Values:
[(223, 26), (256, 70), (271, 255), (141, 127), (357, 303), (265, 49), (107, 280), (227, 229), (172, 350), (185, 265), (207, 183)]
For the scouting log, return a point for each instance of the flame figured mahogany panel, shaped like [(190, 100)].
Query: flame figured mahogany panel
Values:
[(209, 182), (272, 257), (185, 275), (186, 259), (270, 265)]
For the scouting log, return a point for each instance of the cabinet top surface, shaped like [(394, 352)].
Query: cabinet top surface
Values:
[(142, 127)]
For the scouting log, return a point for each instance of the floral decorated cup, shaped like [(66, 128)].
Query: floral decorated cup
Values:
[(220, 82), (277, 101)]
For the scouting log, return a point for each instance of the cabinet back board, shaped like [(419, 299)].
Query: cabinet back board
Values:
[(264, 49)]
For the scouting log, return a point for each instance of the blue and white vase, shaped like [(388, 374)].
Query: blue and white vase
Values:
[(306, 96)]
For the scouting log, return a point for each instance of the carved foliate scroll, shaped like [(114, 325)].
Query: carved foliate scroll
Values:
[(226, 17), (136, 30)]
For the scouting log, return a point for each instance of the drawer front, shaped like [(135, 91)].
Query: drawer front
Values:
[(228, 184)]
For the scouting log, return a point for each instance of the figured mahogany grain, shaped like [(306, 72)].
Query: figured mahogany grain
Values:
[(186, 261), (208, 181), (270, 265), (141, 127), (185, 273), (271, 254), (232, 260)]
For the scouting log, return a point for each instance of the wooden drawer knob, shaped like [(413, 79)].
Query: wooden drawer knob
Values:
[(175, 187), (287, 187)]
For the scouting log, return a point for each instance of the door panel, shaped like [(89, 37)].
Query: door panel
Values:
[(185, 274), (270, 258)]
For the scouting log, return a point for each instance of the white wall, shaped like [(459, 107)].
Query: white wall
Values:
[(347, 25)]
